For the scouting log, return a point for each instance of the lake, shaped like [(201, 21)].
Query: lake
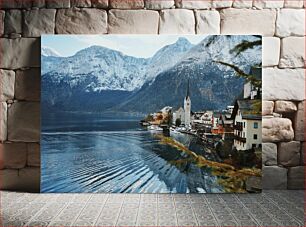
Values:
[(100, 153)]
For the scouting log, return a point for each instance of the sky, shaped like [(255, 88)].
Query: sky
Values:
[(143, 46)]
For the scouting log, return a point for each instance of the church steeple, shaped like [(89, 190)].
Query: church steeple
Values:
[(187, 107), (188, 92)]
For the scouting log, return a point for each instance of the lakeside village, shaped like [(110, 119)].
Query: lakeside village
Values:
[(233, 135)]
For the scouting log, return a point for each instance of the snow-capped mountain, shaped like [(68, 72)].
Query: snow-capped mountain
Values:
[(212, 85), (219, 48), (48, 52), (99, 79), (170, 54), (112, 69)]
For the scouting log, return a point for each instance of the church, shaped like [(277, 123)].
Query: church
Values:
[(184, 114)]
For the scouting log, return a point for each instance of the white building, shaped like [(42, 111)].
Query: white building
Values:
[(187, 108), (184, 114), (249, 90), (229, 109), (247, 125), (179, 114)]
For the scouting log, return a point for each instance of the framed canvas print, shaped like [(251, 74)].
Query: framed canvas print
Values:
[(151, 113)]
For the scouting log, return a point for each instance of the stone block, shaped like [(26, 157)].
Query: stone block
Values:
[(248, 21), (13, 21), (293, 4), (9, 179), (2, 15), (26, 179), (274, 177), (13, 155), (270, 51), (262, 4), (7, 85), (133, 22), (81, 21), (159, 4), (27, 86), (269, 154), (296, 178), (3, 121), (292, 52), (290, 22), (221, 4), (267, 107), (39, 3), (126, 4), (38, 22), (283, 84), (208, 22), (242, 4), (15, 4), (285, 107), (33, 154), (299, 122), (303, 157), (80, 3), (277, 129), (24, 122), (178, 21), (253, 184), (99, 3), (192, 4), (289, 153), (55, 4), (20, 53)]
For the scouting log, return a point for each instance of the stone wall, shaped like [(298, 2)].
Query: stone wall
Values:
[(281, 22)]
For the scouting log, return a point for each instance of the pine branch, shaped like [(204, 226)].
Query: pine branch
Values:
[(211, 40), (240, 73), (245, 45)]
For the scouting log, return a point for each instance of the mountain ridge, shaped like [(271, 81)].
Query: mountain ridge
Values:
[(147, 85)]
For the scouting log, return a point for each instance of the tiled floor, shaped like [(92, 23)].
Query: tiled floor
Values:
[(271, 208)]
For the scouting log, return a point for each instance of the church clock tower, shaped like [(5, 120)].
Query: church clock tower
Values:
[(187, 107)]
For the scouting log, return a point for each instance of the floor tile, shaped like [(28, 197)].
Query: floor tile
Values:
[(270, 208)]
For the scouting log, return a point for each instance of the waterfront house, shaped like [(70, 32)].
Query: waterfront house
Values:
[(217, 127), (247, 124), (229, 109), (203, 121), (249, 90), (178, 114), (227, 124), (207, 118)]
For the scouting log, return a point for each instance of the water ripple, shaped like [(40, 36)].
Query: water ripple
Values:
[(116, 161)]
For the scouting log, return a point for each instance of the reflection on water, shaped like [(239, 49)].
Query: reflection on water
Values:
[(94, 154)]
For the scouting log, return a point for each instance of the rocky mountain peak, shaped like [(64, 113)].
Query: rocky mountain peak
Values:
[(48, 52)]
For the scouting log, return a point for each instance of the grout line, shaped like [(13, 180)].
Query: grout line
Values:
[(37, 213), (120, 209), (210, 209), (60, 211), (81, 210), (177, 222), (100, 213), (280, 207), (245, 208), (156, 209), (194, 214), (195, 21), (230, 211), (138, 208)]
